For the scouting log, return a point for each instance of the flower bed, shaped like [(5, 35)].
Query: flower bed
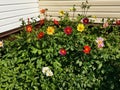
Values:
[(62, 55)]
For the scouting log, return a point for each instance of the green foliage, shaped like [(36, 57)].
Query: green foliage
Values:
[(22, 60)]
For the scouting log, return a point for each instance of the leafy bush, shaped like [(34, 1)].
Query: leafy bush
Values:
[(62, 55)]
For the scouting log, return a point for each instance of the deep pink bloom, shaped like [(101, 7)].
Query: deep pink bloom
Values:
[(85, 20), (68, 30), (63, 52)]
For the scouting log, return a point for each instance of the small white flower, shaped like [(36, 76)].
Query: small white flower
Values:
[(1, 43), (45, 69), (49, 73)]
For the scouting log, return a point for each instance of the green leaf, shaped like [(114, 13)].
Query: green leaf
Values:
[(35, 88), (39, 52), (39, 63), (79, 62), (33, 59), (99, 64)]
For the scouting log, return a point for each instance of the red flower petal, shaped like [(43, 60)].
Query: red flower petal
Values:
[(63, 52), (68, 30), (56, 22), (42, 21), (87, 49), (40, 35)]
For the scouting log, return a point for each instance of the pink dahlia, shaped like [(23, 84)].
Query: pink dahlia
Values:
[(100, 42)]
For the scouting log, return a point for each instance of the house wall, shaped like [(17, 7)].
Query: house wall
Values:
[(13, 10), (99, 8)]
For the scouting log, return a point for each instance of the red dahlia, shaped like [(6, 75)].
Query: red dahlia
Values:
[(42, 22), (56, 22), (63, 52), (87, 49), (40, 35), (68, 30)]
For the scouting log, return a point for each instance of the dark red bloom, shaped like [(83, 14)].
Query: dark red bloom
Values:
[(29, 28), (42, 21), (87, 49), (56, 22), (117, 22), (85, 20), (40, 35), (68, 30), (63, 52)]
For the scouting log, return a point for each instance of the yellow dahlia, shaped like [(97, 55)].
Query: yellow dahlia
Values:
[(80, 27), (61, 13), (94, 17), (50, 30)]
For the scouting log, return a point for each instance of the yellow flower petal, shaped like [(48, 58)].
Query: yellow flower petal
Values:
[(80, 27), (1, 43), (94, 17), (50, 30), (61, 13)]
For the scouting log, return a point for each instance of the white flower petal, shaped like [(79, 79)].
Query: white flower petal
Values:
[(49, 73), (45, 69)]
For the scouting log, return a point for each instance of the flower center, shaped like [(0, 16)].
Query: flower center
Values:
[(100, 42)]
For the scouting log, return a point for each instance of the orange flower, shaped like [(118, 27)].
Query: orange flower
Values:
[(29, 28), (87, 49), (42, 11)]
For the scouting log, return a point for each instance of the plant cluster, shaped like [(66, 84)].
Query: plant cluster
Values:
[(62, 55)]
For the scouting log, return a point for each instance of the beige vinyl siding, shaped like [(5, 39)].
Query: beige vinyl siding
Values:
[(99, 8), (12, 10)]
